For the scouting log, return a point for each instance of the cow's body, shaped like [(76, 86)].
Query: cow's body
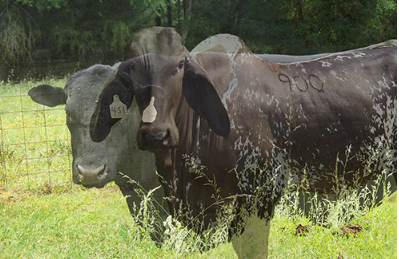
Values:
[(289, 120), (322, 125), (227, 43), (286, 59)]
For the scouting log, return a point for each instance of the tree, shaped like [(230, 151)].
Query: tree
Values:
[(100, 31), (16, 35), (187, 4)]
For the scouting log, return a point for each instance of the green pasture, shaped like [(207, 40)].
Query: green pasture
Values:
[(43, 215), (94, 223), (34, 139)]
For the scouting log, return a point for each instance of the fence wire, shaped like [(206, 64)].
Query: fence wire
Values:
[(35, 147)]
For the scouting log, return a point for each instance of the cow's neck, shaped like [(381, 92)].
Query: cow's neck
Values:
[(184, 119)]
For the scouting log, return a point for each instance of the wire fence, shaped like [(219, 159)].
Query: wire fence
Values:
[(35, 150)]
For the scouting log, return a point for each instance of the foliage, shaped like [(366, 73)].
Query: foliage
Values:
[(296, 27), (77, 30), (74, 30), (45, 4), (16, 36)]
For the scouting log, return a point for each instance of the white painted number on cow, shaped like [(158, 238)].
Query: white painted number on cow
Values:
[(118, 109)]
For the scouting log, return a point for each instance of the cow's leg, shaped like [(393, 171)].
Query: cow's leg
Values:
[(253, 242)]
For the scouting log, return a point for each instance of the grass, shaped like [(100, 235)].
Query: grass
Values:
[(377, 239), (77, 223), (34, 140), (45, 216), (81, 223)]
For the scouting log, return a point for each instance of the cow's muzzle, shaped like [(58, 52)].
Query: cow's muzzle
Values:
[(91, 177), (158, 142)]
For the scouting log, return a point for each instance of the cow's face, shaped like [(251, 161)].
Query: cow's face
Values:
[(159, 83), (94, 164), (162, 40)]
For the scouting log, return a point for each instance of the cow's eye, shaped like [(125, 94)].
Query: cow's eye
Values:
[(181, 64), (131, 66)]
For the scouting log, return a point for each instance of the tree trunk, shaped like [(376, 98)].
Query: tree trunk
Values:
[(169, 13), (158, 20), (187, 4)]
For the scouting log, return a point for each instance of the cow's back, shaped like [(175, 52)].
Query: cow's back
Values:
[(341, 118)]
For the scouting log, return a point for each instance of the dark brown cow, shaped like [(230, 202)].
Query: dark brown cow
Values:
[(253, 125)]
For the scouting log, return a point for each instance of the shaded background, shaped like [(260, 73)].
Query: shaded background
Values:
[(59, 34)]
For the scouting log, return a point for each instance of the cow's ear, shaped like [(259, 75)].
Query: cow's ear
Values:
[(201, 95), (48, 95), (120, 85)]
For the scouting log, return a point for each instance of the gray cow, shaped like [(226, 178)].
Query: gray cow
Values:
[(96, 164)]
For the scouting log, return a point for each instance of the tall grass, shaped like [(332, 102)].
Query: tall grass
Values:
[(81, 223), (324, 237)]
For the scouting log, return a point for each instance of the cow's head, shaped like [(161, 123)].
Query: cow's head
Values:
[(165, 79), (161, 40), (94, 164)]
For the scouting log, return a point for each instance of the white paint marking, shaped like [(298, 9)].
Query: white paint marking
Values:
[(325, 63)]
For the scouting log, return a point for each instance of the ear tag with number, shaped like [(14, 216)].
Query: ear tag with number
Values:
[(150, 113), (118, 109)]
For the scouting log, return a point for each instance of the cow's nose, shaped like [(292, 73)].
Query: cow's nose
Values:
[(157, 141), (91, 176), (155, 137)]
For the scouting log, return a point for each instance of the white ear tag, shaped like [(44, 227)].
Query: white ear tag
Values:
[(118, 109), (150, 113)]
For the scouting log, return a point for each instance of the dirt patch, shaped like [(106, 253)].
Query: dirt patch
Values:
[(12, 195), (9, 196), (302, 230), (347, 231), (392, 198)]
